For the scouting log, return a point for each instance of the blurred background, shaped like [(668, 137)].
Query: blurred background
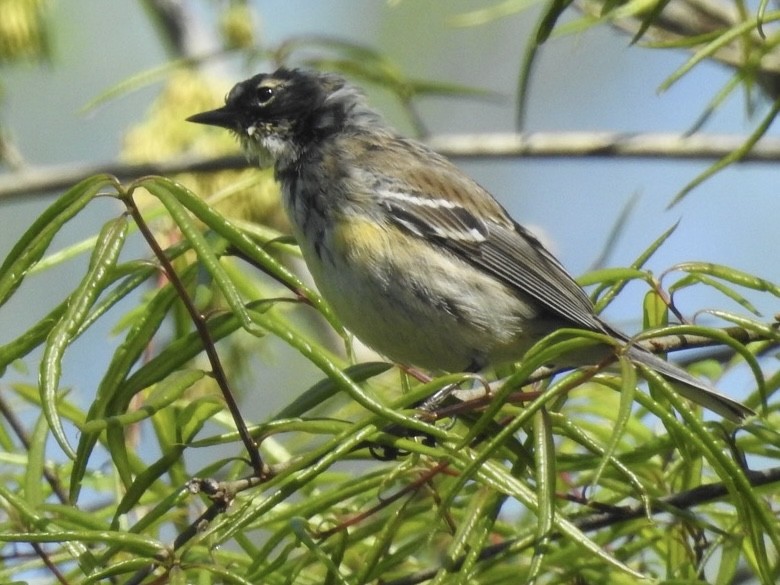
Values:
[(592, 81)]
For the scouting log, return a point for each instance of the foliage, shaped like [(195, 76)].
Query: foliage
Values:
[(584, 477), (498, 492)]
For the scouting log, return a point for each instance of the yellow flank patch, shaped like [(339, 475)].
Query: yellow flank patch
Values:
[(360, 238)]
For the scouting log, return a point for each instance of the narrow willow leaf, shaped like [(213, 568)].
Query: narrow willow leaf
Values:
[(549, 350), (134, 273), (130, 543), (750, 506), (724, 339), (524, 81), (637, 264), (40, 526), (126, 462), (161, 395), (325, 389), (730, 158), (310, 466), (341, 541), (139, 272), (196, 414), (144, 481), (203, 249), (134, 83), (391, 529), (611, 276), (126, 355), (764, 330), (619, 227), (729, 274), (655, 312), (62, 256), (579, 436), (155, 515), (483, 515), (628, 381), (30, 339), (549, 18), (32, 245), (367, 400), (104, 257), (492, 473), (711, 48), (300, 529), (761, 18), (227, 575), (471, 522), (36, 459), (691, 279), (176, 355), (649, 18), (482, 16), (241, 241), (66, 409), (544, 456), (734, 82), (495, 442), (729, 558), (107, 573)]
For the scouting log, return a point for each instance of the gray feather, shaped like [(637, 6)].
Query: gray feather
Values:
[(693, 388)]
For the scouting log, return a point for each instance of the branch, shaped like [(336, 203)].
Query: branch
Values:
[(669, 146)]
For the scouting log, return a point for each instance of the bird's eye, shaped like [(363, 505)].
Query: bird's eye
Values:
[(264, 94)]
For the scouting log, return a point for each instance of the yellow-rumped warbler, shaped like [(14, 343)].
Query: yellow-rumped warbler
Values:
[(416, 259)]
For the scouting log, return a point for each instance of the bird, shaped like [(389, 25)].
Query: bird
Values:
[(415, 258)]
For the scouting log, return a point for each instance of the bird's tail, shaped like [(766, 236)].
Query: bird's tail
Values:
[(693, 388)]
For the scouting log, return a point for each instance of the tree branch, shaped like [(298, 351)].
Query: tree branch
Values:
[(616, 145)]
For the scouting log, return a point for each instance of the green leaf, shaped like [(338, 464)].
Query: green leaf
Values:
[(125, 356), (628, 381), (655, 312), (550, 16), (544, 455), (325, 389), (36, 460), (193, 233), (730, 158), (104, 257), (300, 529), (637, 264), (239, 240), (31, 338), (649, 18), (726, 290), (32, 245), (161, 395), (492, 473), (706, 52), (751, 508), (482, 16), (729, 274)]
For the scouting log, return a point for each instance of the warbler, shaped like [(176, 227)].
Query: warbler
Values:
[(417, 260)]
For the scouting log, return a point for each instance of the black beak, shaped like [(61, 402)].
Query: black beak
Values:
[(222, 117)]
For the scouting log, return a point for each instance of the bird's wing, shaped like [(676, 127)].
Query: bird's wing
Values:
[(431, 198)]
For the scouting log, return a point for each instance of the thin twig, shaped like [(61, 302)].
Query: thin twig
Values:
[(201, 326), (671, 146)]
